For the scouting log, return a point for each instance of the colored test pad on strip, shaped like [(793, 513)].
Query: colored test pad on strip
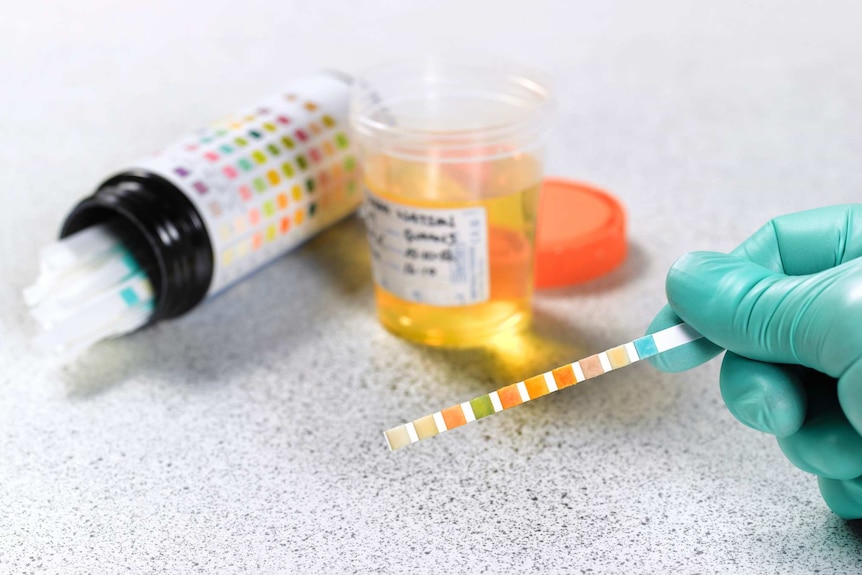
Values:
[(539, 385)]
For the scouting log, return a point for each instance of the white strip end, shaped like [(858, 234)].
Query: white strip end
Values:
[(674, 336)]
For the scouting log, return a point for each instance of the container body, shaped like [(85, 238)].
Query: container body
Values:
[(452, 164)]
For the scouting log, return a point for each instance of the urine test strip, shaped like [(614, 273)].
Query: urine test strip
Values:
[(90, 287), (89, 244), (539, 385)]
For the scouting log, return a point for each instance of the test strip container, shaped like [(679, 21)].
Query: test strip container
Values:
[(202, 214)]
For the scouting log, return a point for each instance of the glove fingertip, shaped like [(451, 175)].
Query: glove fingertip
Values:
[(764, 396), (850, 394), (844, 497)]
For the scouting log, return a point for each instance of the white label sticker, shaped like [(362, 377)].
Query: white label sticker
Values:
[(437, 257), (268, 178)]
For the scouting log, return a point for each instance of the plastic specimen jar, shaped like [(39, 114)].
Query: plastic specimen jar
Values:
[(452, 166)]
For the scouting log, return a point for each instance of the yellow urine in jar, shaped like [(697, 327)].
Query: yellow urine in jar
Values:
[(508, 190)]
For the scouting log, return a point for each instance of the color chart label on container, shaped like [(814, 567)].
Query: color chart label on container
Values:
[(426, 255), (268, 178), (539, 385)]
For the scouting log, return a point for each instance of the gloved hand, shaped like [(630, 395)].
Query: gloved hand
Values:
[(787, 305)]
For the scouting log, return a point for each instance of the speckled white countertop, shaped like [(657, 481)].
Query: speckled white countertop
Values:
[(246, 436)]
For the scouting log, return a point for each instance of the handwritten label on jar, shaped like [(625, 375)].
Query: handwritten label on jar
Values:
[(437, 257)]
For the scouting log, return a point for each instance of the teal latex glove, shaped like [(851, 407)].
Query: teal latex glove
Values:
[(787, 305)]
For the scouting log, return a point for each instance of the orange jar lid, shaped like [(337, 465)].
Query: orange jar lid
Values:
[(580, 233)]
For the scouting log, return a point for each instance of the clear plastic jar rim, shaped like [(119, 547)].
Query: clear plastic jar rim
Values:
[(367, 104)]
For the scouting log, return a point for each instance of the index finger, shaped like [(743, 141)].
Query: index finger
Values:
[(806, 242)]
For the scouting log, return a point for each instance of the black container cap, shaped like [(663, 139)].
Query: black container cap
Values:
[(162, 229)]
